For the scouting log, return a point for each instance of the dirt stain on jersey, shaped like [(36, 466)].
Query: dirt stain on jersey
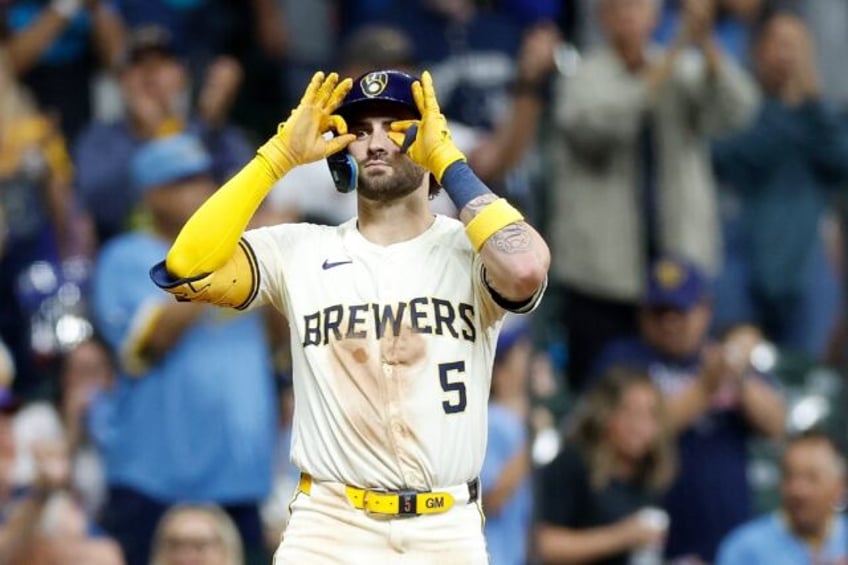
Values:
[(406, 348), (357, 384), (360, 355)]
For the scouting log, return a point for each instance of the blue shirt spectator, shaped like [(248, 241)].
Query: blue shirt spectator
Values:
[(505, 476), (808, 529), (783, 171), (768, 541), (199, 424), (507, 529), (192, 414)]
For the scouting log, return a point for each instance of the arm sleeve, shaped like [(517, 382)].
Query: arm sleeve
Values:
[(211, 236)]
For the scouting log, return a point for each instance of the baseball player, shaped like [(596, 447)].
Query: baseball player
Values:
[(394, 317)]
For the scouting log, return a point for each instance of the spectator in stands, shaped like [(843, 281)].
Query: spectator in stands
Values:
[(157, 97), (86, 371), (716, 401), (39, 523), (203, 29), (470, 51), (505, 475), (783, 170), (808, 527), (200, 535), (56, 47), (253, 32), (617, 460), (631, 166), (42, 219), (191, 416)]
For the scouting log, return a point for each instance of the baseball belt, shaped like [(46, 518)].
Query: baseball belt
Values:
[(398, 503)]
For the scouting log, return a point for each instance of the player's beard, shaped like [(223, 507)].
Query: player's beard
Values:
[(404, 179)]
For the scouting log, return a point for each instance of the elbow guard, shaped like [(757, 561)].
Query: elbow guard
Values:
[(233, 285)]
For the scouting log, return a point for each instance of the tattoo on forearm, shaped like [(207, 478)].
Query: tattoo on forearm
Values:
[(514, 238), (473, 208)]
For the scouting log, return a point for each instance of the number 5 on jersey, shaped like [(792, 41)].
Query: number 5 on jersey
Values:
[(458, 387)]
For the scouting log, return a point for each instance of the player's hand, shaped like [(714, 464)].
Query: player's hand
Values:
[(427, 141), (300, 139)]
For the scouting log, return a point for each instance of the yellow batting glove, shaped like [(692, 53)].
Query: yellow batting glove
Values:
[(427, 141), (300, 139)]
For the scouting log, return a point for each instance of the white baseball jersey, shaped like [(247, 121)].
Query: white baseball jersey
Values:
[(392, 350)]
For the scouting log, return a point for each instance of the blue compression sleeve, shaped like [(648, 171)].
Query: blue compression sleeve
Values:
[(462, 185)]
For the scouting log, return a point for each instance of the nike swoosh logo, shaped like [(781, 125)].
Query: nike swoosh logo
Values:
[(329, 265)]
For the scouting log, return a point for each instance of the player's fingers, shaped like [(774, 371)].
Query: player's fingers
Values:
[(312, 89), (336, 123), (338, 143), (326, 89), (409, 139), (403, 133), (402, 125), (338, 94), (418, 96), (397, 137), (430, 101)]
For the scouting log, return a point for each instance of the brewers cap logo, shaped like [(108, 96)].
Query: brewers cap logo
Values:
[(669, 274), (373, 84)]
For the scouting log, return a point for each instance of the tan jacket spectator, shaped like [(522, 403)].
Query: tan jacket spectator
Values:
[(598, 113)]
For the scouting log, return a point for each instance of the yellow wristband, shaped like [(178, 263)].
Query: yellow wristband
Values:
[(491, 219)]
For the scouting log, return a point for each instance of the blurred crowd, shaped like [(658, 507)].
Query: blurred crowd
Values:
[(679, 397)]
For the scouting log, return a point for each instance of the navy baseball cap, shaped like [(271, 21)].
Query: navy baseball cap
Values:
[(675, 283), (384, 87), (169, 159), (148, 39)]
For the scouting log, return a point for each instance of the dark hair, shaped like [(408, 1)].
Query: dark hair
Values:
[(816, 435), (588, 429), (770, 12)]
